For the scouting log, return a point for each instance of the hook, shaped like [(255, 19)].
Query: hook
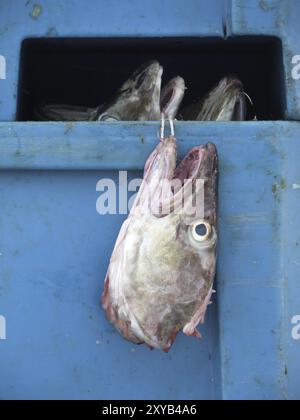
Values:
[(163, 124)]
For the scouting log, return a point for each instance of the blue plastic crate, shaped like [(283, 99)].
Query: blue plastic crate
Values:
[(55, 248)]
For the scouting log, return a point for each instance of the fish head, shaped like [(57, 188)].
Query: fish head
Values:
[(171, 96), (147, 78), (226, 102), (197, 177), (139, 97), (234, 106), (186, 195), (162, 270)]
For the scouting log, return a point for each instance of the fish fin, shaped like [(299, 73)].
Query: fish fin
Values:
[(197, 334), (122, 234), (53, 112), (198, 318), (124, 327), (105, 296)]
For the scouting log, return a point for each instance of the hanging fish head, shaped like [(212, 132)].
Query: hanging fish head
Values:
[(139, 97), (161, 273)]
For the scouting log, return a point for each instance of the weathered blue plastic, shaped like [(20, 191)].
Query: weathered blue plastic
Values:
[(55, 248)]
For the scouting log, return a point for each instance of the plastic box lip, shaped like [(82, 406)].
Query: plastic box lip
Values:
[(92, 145)]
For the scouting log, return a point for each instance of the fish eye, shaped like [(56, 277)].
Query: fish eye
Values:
[(201, 231)]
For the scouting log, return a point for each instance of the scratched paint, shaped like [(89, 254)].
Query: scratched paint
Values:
[(2, 328), (268, 5), (36, 11), (253, 218), (2, 67)]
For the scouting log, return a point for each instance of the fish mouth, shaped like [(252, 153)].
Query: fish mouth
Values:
[(239, 112), (229, 87), (232, 82), (147, 76), (168, 187), (171, 96), (233, 88), (200, 163)]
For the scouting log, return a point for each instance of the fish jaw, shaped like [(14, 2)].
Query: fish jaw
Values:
[(233, 107), (148, 76), (226, 102), (171, 97), (53, 112), (148, 90), (139, 97), (160, 276)]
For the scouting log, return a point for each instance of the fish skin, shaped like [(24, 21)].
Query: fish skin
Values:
[(160, 279), (65, 113), (226, 102), (138, 99), (171, 97)]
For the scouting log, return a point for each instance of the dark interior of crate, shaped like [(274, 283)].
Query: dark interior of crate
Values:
[(88, 71)]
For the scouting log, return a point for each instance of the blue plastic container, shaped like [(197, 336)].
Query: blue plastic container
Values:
[(55, 248)]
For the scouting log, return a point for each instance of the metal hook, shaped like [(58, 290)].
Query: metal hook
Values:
[(162, 126), (252, 104), (172, 127), (248, 97)]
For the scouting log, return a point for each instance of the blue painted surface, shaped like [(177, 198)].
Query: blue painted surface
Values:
[(55, 252), (54, 248), (272, 17)]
